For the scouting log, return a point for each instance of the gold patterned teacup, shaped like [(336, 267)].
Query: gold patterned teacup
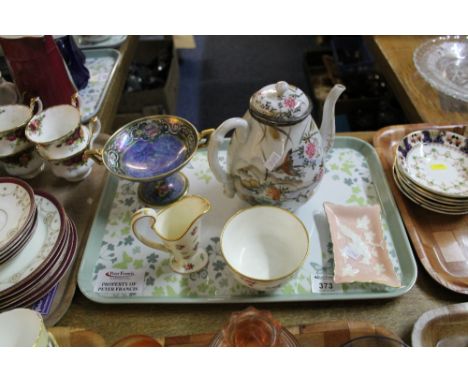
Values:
[(178, 227)]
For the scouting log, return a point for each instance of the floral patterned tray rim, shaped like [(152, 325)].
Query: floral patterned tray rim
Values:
[(91, 107), (400, 240)]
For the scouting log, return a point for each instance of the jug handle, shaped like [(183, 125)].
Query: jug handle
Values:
[(146, 213), (217, 138)]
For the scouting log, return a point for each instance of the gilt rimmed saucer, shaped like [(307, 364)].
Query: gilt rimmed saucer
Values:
[(17, 208), (43, 244), (436, 161)]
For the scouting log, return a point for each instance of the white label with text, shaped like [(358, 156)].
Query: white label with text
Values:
[(116, 282), (324, 284)]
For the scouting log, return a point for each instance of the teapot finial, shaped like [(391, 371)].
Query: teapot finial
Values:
[(281, 87), (327, 128)]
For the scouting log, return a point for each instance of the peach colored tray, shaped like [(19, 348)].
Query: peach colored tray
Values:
[(441, 324), (330, 333), (440, 241)]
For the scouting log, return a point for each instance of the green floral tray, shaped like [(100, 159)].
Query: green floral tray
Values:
[(353, 176)]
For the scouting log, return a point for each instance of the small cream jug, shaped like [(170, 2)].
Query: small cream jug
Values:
[(276, 154), (178, 226)]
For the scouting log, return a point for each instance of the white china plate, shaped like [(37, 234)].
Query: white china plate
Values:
[(39, 247), (443, 63), (15, 208)]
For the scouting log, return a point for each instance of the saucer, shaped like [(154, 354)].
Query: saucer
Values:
[(435, 160), (17, 208)]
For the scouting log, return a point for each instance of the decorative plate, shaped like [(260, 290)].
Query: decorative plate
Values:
[(435, 160), (150, 148), (50, 278), (16, 209), (43, 243), (443, 62), (359, 247)]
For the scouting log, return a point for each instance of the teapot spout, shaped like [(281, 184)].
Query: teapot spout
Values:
[(327, 128)]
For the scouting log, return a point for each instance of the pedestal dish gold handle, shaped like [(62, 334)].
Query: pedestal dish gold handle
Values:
[(95, 155), (204, 138)]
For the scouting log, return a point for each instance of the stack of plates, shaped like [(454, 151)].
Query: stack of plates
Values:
[(431, 169), (37, 244)]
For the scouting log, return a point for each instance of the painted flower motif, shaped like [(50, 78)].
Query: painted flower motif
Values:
[(273, 192), (369, 236), (348, 270), (379, 269), (180, 247), (363, 222), (290, 103), (152, 131), (163, 189), (194, 231), (195, 247), (188, 266), (11, 137), (310, 150)]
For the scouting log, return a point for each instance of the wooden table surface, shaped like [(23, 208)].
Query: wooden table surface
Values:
[(420, 102), (116, 321)]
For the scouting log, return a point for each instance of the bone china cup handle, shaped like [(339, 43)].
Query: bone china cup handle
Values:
[(95, 155), (216, 140), (94, 127), (75, 100), (204, 137), (32, 105), (146, 213)]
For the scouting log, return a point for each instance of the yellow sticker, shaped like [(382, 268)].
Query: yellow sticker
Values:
[(438, 166)]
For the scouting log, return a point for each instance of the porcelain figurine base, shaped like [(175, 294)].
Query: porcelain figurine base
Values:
[(165, 191), (194, 264)]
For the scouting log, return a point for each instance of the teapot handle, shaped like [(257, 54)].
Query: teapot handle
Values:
[(217, 138)]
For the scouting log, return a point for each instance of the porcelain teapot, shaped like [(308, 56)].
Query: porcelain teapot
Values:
[(276, 154)]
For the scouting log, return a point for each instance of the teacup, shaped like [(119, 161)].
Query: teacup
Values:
[(22, 328), (178, 227), (26, 164), (13, 120), (54, 124), (264, 246), (81, 139), (73, 169)]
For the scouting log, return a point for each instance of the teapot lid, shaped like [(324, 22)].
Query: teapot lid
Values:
[(280, 104)]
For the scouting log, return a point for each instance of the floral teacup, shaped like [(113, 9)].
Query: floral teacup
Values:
[(26, 164), (13, 120), (73, 145), (73, 169), (54, 124)]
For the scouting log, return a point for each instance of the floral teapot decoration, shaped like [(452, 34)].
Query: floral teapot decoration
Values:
[(276, 154)]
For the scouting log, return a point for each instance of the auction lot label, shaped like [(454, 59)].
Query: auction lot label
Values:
[(117, 282)]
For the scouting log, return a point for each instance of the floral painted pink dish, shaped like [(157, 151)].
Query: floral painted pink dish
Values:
[(359, 248)]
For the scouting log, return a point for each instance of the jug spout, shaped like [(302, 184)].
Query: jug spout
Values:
[(327, 128)]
